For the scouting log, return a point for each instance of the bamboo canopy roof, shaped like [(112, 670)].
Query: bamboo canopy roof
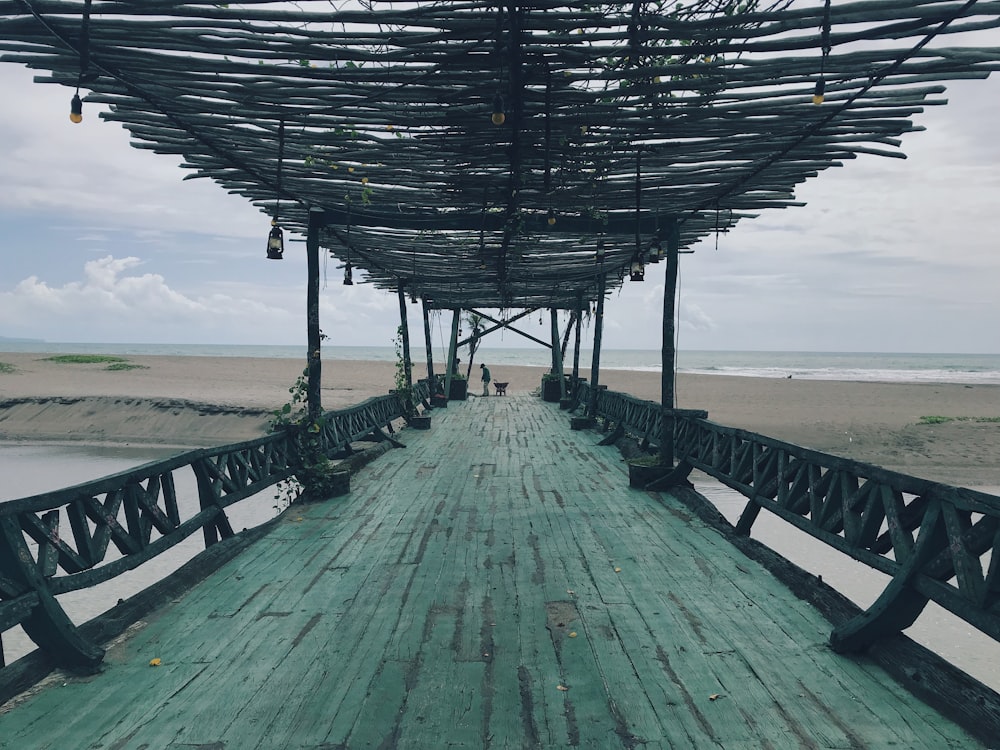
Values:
[(511, 155)]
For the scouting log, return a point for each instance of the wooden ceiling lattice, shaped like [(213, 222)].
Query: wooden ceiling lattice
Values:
[(622, 122)]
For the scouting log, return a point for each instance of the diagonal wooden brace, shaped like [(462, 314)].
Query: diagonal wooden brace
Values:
[(48, 625), (900, 604)]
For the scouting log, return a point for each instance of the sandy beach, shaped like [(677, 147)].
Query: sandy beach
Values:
[(204, 401)]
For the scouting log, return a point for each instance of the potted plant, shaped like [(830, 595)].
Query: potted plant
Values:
[(642, 470), (550, 387), (459, 388), (316, 477)]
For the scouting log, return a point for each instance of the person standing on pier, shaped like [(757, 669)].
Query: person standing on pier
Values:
[(486, 379)]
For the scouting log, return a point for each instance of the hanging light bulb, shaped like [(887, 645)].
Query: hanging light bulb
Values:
[(348, 275), (825, 49), (275, 242), (498, 117), (819, 91), (76, 108), (550, 219)]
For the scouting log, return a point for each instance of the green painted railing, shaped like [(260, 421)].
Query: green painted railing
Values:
[(937, 542), (62, 541)]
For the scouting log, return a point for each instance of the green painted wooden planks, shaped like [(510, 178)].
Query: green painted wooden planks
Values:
[(495, 584)]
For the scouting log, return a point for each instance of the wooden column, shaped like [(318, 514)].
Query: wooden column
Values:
[(557, 363), (404, 330), (456, 316), (595, 366), (428, 347), (314, 364), (576, 340), (668, 352)]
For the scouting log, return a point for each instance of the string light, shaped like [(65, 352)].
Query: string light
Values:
[(76, 104), (498, 117), (819, 93), (76, 109)]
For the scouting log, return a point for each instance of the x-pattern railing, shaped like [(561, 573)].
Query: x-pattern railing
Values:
[(80, 536), (936, 542)]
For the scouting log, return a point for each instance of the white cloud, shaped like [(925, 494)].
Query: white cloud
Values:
[(888, 254), (112, 303)]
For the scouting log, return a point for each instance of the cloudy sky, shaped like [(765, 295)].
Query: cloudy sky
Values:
[(102, 242)]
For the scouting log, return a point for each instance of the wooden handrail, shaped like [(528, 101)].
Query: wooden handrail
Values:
[(930, 538), (59, 541)]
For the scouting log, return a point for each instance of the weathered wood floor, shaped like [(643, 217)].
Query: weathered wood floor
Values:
[(494, 585)]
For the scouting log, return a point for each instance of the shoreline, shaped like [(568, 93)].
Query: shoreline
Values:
[(203, 401)]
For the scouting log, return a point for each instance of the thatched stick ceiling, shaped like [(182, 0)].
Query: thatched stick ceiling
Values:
[(621, 122)]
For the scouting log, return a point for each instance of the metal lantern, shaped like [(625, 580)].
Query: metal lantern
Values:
[(348, 275), (275, 242), (637, 271)]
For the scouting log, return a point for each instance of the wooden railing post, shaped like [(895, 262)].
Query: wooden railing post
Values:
[(219, 527)]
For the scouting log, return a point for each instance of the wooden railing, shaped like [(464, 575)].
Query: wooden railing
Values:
[(62, 541), (937, 542)]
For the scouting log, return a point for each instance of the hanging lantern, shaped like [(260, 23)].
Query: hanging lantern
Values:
[(348, 275), (275, 242), (655, 252), (600, 250), (551, 218), (637, 272)]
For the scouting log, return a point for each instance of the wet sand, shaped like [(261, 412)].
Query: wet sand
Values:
[(203, 401)]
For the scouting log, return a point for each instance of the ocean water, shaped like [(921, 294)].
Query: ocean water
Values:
[(864, 366)]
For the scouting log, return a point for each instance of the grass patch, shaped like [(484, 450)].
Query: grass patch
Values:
[(944, 420), (125, 366), (7, 368), (112, 362), (84, 359)]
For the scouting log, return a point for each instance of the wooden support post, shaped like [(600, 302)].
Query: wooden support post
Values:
[(314, 365), (456, 316), (669, 355), (557, 362), (576, 341), (595, 366), (431, 382), (404, 335)]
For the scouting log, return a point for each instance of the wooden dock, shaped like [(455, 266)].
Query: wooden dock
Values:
[(495, 584)]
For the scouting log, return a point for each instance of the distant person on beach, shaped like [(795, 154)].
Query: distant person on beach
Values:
[(486, 379)]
